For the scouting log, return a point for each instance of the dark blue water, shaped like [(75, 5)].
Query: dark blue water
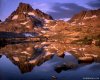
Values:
[(9, 71)]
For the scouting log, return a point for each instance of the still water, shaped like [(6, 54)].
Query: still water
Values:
[(10, 71)]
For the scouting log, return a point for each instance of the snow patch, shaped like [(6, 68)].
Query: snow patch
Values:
[(65, 19), (16, 58), (24, 12), (73, 24), (31, 13), (28, 27), (86, 17), (24, 23), (48, 53), (94, 16), (47, 21), (67, 53), (25, 52), (43, 32), (33, 61), (82, 23), (28, 35), (15, 17)]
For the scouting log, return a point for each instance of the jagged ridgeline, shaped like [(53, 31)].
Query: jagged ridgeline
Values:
[(24, 19)]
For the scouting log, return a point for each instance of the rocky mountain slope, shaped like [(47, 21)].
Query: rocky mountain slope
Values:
[(24, 19), (90, 18)]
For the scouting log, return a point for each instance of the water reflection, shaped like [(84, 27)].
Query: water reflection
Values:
[(27, 61), (25, 56), (45, 71)]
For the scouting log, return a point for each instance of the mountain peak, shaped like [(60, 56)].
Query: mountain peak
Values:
[(24, 7), (25, 10)]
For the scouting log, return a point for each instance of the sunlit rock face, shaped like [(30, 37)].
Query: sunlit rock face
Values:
[(89, 18), (24, 7)]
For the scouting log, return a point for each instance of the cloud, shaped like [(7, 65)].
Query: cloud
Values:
[(94, 4), (65, 10), (65, 19), (39, 4), (42, 6)]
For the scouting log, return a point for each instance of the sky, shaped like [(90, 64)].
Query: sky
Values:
[(58, 9)]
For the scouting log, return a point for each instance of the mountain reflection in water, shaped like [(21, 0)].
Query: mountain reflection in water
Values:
[(8, 71), (25, 56), (32, 62)]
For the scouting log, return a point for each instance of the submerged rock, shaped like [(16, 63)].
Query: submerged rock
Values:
[(54, 78), (65, 66), (58, 69), (0, 56)]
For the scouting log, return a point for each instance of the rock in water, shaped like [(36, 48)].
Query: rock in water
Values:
[(85, 59), (65, 67), (0, 56), (54, 78)]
